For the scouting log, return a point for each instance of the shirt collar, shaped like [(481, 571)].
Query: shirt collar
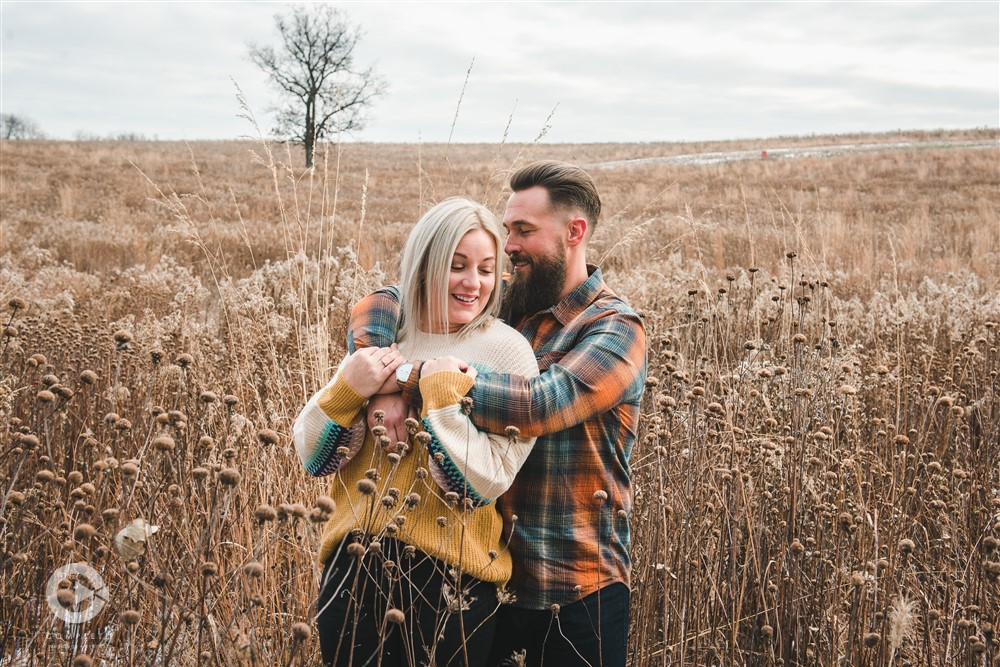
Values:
[(580, 298)]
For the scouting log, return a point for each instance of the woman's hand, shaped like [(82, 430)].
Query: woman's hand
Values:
[(438, 364), (368, 368)]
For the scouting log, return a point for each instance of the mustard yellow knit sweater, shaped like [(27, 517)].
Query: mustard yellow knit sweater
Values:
[(438, 496)]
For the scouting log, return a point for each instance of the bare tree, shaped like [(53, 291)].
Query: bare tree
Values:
[(13, 126), (314, 67)]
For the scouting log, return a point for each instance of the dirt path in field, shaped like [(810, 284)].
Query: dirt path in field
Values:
[(796, 152)]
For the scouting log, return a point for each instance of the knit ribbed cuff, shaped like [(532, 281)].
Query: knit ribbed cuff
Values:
[(444, 388), (340, 402)]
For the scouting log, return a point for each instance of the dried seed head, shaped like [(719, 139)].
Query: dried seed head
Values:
[(600, 495), (355, 550), (130, 617), (163, 443), (379, 430), (326, 504), (253, 569), (184, 360), (301, 631), (395, 616), (230, 477), (17, 303), (208, 397), (265, 513), (122, 339), (366, 486), (871, 639), (906, 545), (267, 437), (84, 532), (209, 569), (82, 660)]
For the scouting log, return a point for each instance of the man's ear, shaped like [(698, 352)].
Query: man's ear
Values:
[(576, 230)]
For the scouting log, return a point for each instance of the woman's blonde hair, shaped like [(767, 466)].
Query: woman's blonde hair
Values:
[(427, 258)]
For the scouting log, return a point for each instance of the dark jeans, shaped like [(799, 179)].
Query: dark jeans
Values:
[(355, 595), (592, 631)]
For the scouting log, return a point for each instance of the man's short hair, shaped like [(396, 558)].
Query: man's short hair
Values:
[(569, 187)]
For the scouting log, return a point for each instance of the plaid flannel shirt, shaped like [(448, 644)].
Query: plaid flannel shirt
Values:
[(567, 511)]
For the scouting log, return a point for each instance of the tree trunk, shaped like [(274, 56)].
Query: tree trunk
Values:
[(310, 134)]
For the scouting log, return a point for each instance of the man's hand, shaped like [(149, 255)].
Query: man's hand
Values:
[(395, 411), (438, 364)]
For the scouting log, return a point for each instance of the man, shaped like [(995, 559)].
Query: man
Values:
[(567, 511)]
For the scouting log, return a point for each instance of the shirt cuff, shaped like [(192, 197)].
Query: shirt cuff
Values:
[(411, 389)]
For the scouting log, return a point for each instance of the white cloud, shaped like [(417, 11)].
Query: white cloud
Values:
[(617, 71)]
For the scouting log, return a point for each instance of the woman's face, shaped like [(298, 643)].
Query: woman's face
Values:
[(471, 280)]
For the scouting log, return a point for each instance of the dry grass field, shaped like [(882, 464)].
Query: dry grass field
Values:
[(818, 473)]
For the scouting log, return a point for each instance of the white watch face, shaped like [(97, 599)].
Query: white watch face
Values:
[(403, 372)]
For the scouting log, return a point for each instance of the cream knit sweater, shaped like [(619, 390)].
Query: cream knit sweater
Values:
[(438, 496)]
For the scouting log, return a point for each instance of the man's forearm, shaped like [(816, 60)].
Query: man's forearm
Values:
[(374, 320), (606, 368)]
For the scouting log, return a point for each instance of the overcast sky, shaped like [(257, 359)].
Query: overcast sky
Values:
[(651, 71)]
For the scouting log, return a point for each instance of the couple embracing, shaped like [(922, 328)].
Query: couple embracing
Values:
[(483, 519)]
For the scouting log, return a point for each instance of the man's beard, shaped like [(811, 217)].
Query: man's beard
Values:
[(539, 290)]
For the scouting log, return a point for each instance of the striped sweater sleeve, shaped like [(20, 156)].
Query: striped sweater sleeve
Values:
[(474, 464), (330, 429)]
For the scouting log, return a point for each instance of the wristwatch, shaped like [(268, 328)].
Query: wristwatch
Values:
[(403, 373)]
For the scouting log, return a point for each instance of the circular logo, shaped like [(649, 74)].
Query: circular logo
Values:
[(76, 593)]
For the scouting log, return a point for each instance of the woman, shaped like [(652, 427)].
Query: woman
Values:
[(413, 554)]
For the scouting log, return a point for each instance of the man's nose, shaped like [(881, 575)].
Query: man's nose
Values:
[(510, 245)]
